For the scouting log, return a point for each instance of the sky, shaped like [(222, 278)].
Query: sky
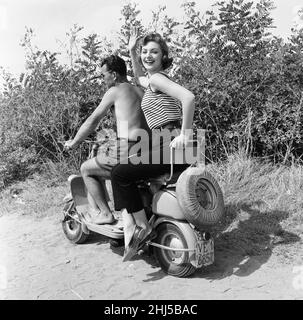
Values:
[(51, 19)]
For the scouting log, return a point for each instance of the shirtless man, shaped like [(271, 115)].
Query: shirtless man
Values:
[(126, 100)]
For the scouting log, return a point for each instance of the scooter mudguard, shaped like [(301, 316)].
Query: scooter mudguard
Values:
[(79, 194), (187, 231), (202, 251)]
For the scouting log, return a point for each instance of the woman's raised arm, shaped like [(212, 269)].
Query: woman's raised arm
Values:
[(137, 67)]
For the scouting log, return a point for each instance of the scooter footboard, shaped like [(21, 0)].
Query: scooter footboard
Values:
[(114, 231)]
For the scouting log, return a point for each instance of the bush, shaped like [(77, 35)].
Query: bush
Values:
[(248, 86), (46, 107)]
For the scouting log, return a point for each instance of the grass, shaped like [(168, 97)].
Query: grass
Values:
[(263, 208), (267, 187), (40, 195), (263, 204)]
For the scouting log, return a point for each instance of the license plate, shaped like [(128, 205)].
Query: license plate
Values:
[(204, 253)]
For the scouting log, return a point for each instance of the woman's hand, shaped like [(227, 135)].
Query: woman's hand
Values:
[(133, 38), (180, 141)]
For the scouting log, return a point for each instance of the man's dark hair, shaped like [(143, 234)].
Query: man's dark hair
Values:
[(115, 63)]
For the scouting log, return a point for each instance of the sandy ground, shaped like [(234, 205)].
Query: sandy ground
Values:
[(38, 262)]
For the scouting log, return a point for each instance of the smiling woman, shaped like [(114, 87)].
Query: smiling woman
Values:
[(161, 104)]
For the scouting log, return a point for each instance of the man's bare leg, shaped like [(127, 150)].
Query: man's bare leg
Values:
[(93, 208), (92, 203), (90, 171)]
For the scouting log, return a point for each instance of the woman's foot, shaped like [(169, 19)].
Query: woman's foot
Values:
[(131, 248), (149, 235)]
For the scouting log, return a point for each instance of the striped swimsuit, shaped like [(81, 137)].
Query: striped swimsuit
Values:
[(160, 108)]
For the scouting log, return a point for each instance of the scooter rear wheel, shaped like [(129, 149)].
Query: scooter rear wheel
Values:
[(175, 263), (72, 228)]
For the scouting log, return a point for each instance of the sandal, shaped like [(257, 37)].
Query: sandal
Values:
[(133, 245), (150, 236)]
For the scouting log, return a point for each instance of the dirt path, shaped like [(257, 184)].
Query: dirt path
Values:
[(38, 262)]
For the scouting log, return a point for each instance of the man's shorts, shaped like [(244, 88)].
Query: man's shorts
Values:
[(112, 153)]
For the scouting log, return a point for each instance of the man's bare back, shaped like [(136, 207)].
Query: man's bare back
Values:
[(128, 111)]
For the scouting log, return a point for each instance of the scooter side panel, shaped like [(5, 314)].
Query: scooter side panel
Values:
[(79, 191), (79, 194), (165, 204)]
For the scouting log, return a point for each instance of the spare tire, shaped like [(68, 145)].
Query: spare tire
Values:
[(200, 197)]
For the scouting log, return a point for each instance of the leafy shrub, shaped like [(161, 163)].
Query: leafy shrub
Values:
[(248, 86)]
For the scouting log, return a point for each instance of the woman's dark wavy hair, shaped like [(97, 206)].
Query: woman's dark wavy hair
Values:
[(156, 37)]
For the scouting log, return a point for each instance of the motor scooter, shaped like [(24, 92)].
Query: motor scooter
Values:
[(180, 206)]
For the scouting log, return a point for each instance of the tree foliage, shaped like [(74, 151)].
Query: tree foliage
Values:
[(247, 83)]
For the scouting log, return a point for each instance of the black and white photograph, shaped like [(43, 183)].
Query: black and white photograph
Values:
[(151, 151)]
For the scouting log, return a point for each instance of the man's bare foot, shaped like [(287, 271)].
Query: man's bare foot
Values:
[(119, 224), (103, 218), (93, 212)]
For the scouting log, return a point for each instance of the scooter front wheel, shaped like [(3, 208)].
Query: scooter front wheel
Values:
[(71, 227), (175, 263)]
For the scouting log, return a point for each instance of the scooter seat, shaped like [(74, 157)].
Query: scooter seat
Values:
[(162, 179)]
